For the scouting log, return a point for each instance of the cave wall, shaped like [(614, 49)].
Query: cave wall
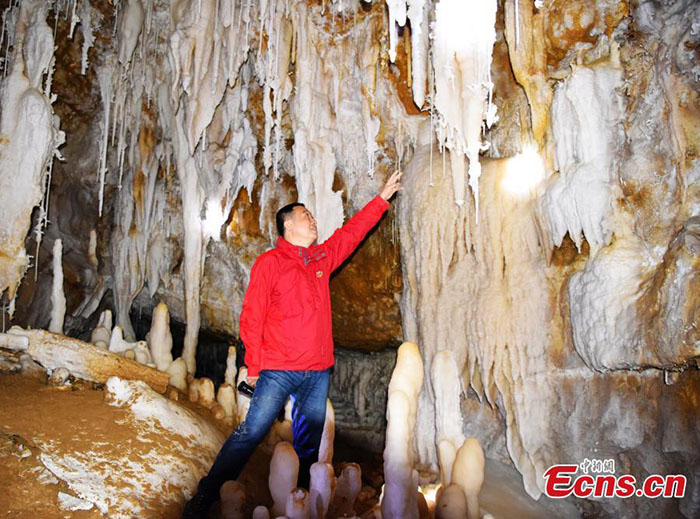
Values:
[(571, 301)]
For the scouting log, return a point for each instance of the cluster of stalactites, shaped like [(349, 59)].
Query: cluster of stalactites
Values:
[(462, 39)]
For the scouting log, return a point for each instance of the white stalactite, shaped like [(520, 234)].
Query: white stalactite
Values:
[(463, 37), (30, 134)]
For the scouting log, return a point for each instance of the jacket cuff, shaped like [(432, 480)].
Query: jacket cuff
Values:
[(253, 371), (382, 203)]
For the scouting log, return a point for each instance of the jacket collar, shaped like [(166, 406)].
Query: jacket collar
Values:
[(307, 254)]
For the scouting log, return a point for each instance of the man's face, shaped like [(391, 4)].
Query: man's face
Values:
[(302, 225)]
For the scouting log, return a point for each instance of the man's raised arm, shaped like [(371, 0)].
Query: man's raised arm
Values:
[(346, 239)]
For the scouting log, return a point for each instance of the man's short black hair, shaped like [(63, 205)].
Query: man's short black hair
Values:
[(284, 214)]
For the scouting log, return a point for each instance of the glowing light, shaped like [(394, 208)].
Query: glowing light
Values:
[(430, 493), (214, 219), (524, 172)]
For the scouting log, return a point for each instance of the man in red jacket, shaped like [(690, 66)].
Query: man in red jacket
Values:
[(286, 329)]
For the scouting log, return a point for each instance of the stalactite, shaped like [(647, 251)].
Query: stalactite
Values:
[(463, 38), (31, 133)]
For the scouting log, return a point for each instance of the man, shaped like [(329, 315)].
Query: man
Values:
[(286, 329)]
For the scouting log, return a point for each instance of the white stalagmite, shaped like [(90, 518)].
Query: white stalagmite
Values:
[(230, 375), (452, 503), (348, 486), (399, 498), (193, 389), (298, 504), (468, 473), (323, 484), (226, 398), (325, 451), (58, 298), (448, 416), (159, 337), (261, 512), (178, 374), (284, 469), (30, 135), (207, 397), (143, 354), (463, 36), (117, 344)]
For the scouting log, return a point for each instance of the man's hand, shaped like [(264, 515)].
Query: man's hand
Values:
[(392, 186), (251, 381)]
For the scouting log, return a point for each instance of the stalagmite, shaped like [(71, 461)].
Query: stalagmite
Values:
[(102, 334), (468, 473), (399, 499), (452, 503), (284, 469), (325, 452), (218, 412), (261, 512), (117, 344), (143, 353), (226, 398), (323, 484), (193, 390), (349, 485), (178, 374), (448, 416), (207, 397), (298, 504), (159, 338), (58, 298), (230, 374), (232, 500)]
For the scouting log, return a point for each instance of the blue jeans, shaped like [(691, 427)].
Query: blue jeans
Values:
[(308, 390)]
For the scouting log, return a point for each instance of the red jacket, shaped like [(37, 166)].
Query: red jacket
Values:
[(286, 316)]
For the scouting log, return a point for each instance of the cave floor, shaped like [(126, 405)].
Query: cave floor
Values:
[(36, 418)]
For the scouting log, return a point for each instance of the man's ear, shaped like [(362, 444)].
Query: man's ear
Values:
[(287, 225)]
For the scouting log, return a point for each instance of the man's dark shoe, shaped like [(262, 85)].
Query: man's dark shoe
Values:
[(197, 507)]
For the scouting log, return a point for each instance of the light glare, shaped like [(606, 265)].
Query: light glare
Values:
[(524, 172), (214, 219)]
